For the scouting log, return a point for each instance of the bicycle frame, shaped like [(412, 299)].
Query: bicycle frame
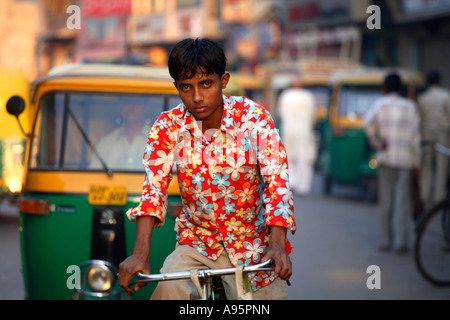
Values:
[(206, 275)]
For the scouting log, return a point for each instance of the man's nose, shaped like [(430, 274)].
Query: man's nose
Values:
[(198, 95)]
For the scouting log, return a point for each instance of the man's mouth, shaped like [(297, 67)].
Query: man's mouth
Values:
[(200, 109)]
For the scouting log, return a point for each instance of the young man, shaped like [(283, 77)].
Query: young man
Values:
[(392, 126), (232, 171)]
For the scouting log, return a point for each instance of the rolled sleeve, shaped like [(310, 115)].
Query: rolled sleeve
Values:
[(158, 161), (277, 195)]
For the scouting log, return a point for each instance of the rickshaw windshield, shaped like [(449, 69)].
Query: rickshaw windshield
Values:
[(94, 131), (321, 94), (355, 101)]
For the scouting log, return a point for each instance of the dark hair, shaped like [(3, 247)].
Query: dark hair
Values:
[(189, 55), (392, 82), (434, 77)]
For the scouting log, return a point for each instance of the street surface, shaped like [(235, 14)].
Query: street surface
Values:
[(336, 244), (11, 282), (333, 248)]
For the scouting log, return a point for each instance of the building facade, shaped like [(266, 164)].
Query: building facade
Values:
[(36, 34)]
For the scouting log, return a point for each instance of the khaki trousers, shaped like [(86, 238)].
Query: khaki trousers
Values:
[(185, 258)]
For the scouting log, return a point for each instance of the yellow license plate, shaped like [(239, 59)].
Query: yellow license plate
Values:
[(107, 195)]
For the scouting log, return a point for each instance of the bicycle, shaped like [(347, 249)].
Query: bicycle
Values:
[(208, 281), (432, 243)]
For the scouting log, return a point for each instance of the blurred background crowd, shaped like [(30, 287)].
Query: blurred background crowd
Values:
[(267, 42), (255, 33), (262, 38)]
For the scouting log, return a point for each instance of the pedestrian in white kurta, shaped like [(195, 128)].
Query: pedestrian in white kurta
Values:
[(296, 107)]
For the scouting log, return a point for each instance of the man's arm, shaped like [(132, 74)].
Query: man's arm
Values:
[(139, 261), (370, 119), (277, 252), (280, 211)]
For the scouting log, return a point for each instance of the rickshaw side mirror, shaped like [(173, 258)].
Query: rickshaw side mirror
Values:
[(15, 105)]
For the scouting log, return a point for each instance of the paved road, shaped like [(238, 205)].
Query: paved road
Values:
[(11, 282), (333, 247)]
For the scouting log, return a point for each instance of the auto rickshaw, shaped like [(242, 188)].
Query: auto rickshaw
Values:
[(347, 157), (12, 141), (253, 86), (73, 228)]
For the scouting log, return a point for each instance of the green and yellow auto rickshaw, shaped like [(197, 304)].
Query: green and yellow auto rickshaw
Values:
[(253, 86), (82, 175), (347, 157), (73, 227)]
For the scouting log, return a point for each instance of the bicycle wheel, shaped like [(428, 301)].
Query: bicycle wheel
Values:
[(432, 245)]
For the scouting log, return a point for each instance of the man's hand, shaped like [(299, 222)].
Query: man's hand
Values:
[(139, 261), (128, 268), (277, 252)]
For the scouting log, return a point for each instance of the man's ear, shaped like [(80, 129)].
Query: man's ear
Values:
[(225, 79), (175, 84)]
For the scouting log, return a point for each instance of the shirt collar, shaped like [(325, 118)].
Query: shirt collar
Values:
[(393, 94)]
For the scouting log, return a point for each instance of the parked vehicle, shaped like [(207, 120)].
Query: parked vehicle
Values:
[(73, 227), (347, 157)]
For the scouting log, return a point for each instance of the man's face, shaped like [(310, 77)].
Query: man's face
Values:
[(202, 94), (132, 113)]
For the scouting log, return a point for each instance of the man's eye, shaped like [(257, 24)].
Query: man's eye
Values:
[(185, 87), (206, 84)]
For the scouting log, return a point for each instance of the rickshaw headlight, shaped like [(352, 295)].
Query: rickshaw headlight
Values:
[(100, 278), (373, 164)]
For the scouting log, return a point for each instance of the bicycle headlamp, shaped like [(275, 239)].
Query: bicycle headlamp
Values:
[(100, 278)]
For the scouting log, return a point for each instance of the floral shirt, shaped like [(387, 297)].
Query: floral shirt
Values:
[(233, 181)]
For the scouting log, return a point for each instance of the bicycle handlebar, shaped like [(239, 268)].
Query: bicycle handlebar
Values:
[(205, 273)]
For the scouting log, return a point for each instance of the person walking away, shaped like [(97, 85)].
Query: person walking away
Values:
[(296, 106), (392, 127), (434, 109)]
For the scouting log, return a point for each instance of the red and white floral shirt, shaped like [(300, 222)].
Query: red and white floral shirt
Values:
[(233, 181)]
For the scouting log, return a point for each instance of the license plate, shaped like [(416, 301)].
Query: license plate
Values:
[(108, 195)]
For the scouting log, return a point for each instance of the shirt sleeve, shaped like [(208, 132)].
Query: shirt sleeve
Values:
[(272, 159), (158, 160), (370, 122)]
